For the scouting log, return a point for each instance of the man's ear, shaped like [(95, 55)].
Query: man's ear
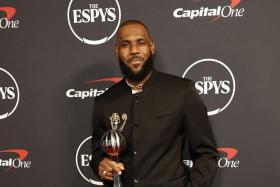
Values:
[(153, 47)]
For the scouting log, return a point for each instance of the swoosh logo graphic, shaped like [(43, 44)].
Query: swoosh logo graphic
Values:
[(234, 3), (10, 12), (231, 152), (111, 79), (22, 154)]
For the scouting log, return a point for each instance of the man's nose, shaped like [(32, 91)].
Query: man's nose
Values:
[(134, 49)]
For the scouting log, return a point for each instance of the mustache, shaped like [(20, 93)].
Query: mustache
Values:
[(135, 58)]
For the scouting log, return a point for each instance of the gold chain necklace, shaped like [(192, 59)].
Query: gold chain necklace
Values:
[(138, 87)]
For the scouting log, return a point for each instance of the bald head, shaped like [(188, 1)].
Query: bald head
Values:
[(133, 22)]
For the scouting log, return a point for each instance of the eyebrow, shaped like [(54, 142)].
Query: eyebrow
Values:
[(139, 39)]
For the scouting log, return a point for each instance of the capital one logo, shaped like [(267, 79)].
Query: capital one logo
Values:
[(7, 22), (230, 10), (14, 158), (227, 158), (94, 22), (9, 94), (83, 158), (92, 92), (215, 83)]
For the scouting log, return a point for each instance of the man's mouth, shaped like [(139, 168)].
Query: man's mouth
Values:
[(136, 60)]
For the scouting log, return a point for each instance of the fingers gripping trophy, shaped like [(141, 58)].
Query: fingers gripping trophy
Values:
[(113, 142)]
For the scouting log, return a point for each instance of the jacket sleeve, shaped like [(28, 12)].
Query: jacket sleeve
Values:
[(202, 146), (98, 129)]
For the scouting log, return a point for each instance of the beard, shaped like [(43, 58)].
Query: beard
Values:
[(147, 67)]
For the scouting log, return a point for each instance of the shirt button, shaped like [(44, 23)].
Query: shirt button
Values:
[(135, 153), (136, 124), (137, 101), (136, 181)]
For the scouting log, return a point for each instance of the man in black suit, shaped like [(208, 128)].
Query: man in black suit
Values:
[(163, 113)]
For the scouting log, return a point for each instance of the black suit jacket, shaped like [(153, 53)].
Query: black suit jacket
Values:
[(161, 118)]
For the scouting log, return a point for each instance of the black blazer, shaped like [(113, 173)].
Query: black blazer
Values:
[(161, 118)]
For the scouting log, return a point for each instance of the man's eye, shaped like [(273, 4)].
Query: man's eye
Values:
[(142, 42), (124, 44)]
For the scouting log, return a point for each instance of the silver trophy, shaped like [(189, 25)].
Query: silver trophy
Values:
[(113, 142)]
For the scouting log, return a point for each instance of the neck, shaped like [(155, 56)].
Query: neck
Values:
[(142, 82)]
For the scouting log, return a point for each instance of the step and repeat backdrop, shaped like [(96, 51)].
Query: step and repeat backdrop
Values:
[(57, 56)]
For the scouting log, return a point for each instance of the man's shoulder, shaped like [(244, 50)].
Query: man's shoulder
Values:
[(113, 91)]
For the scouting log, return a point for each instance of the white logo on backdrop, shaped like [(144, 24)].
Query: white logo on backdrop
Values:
[(7, 93), (225, 12), (207, 85), (83, 161), (89, 16)]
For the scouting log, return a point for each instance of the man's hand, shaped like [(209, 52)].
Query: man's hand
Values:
[(107, 167)]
